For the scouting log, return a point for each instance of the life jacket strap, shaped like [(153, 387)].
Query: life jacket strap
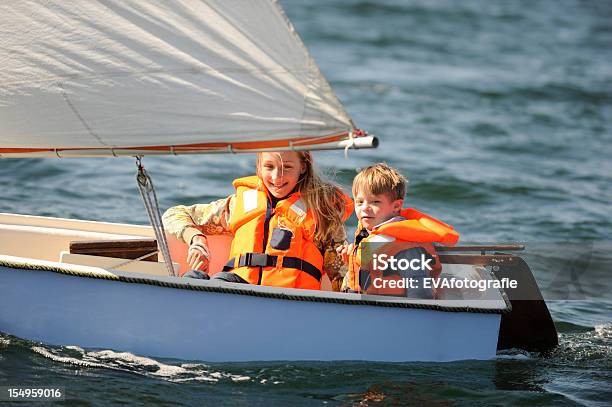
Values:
[(267, 260)]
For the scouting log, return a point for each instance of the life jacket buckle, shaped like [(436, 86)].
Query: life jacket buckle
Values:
[(255, 259)]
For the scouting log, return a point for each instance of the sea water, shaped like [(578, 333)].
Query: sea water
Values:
[(500, 115)]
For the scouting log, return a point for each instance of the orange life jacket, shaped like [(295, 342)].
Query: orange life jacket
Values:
[(418, 230), (273, 246)]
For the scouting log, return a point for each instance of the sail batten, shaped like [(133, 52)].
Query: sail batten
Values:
[(100, 77)]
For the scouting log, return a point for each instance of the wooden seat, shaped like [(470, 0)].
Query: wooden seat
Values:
[(123, 249)]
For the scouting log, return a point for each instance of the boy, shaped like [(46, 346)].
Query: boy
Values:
[(385, 228)]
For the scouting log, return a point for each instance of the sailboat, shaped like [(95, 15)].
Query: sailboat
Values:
[(138, 78)]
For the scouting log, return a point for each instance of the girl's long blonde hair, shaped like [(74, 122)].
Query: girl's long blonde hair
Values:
[(325, 199)]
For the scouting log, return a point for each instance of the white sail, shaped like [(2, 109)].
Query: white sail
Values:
[(119, 77)]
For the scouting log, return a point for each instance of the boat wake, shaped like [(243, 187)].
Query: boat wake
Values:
[(577, 345), (130, 363), (585, 349), (516, 354)]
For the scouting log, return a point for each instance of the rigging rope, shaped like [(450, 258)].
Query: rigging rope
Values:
[(125, 263), (351, 141), (147, 191)]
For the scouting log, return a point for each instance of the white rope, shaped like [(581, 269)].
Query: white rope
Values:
[(350, 144), (147, 191)]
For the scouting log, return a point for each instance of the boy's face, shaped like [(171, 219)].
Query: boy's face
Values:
[(372, 210)]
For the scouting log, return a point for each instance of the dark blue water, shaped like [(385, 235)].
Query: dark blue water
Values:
[(499, 113)]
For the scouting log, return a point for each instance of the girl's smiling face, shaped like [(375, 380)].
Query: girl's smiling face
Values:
[(280, 172)]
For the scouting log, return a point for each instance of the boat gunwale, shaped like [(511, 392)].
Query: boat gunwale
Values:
[(25, 264)]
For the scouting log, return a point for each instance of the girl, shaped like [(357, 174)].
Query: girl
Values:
[(286, 222)]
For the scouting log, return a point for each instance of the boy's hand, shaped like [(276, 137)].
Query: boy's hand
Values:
[(344, 251)]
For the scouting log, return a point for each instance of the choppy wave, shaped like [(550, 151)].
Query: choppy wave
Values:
[(591, 349), (139, 365), (516, 354), (578, 346), (514, 375)]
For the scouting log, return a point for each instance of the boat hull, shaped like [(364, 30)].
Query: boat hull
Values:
[(162, 321)]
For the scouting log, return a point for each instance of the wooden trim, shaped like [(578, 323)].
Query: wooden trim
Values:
[(478, 259), (481, 248), (122, 249)]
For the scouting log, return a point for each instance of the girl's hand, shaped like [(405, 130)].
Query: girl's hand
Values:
[(344, 251), (198, 255)]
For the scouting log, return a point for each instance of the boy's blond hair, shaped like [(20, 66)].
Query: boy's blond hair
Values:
[(380, 179)]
